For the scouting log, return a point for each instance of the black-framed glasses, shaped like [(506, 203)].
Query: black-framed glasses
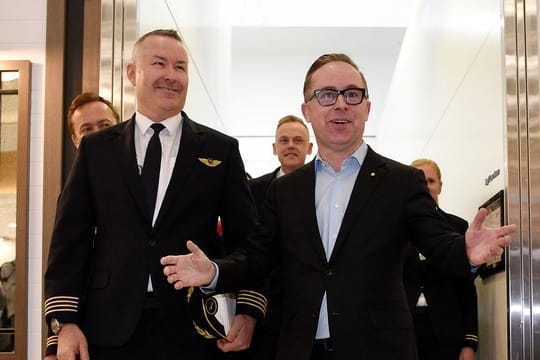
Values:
[(328, 97)]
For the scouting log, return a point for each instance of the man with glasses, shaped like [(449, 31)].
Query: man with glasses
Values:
[(339, 228)]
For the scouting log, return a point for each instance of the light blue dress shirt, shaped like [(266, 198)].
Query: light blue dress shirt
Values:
[(332, 192)]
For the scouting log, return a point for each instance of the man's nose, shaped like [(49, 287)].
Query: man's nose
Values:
[(340, 101)]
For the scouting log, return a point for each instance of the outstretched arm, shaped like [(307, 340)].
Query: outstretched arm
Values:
[(483, 244), (194, 269)]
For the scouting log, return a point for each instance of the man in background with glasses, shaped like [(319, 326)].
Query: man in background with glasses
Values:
[(339, 228)]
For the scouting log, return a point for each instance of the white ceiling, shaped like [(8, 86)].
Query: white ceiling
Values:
[(370, 31)]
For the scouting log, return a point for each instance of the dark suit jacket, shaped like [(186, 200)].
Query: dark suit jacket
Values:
[(104, 246), (259, 187), (368, 313), (452, 302)]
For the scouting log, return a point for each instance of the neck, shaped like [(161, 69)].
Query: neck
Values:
[(287, 170), (335, 157)]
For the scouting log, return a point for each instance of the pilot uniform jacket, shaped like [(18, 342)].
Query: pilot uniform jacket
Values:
[(259, 186), (104, 247), (263, 343), (368, 313), (452, 302)]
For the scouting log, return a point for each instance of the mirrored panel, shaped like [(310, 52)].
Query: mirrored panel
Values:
[(9, 81), (14, 163)]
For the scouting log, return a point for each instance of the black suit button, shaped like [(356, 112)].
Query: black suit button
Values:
[(329, 272), (152, 243), (314, 315)]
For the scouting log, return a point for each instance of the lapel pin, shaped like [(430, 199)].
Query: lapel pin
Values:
[(210, 162), (372, 174)]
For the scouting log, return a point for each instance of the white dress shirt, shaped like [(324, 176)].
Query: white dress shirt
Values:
[(170, 143)]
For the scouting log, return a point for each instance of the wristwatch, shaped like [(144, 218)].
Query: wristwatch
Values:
[(56, 326)]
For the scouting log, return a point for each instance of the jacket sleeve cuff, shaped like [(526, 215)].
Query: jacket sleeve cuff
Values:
[(253, 303), (471, 340), (52, 343), (63, 308)]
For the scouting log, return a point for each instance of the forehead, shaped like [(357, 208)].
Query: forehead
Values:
[(292, 129), (95, 110), (428, 170), (161, 46), (337, 74)]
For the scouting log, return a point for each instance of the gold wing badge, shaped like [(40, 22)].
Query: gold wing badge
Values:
[(210, 162)]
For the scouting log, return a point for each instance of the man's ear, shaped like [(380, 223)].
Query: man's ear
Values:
[(305, 111), (368, 106), (75, 140), (274, 148), (130, 72), (310, 148)]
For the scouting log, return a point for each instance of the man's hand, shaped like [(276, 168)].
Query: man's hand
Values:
[(467, 353), (194, 269), (240, 334), (483, 244), (72, 342)]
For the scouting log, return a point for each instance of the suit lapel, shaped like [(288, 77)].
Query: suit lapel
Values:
[(305, 188), (188, 150), (371, 173), (127, 158)]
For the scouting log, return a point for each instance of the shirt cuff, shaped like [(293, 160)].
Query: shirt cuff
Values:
[(209, 289)]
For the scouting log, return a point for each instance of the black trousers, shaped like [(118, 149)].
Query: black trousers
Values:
[(150, 342), (429, 346), (322, 350)]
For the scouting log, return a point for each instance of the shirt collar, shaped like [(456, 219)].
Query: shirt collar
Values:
[(172, 124), (279, 173), (359, 155)]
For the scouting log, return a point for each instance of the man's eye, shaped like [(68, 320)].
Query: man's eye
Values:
[(327, 95)]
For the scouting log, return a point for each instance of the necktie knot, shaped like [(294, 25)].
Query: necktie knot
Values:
[(157, 127)]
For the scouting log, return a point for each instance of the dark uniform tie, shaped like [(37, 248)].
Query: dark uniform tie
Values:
[(152, 164)]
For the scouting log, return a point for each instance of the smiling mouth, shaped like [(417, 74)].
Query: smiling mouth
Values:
[(164, 88), (339, 122)]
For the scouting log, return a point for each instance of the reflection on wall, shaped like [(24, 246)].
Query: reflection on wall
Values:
[(8, 205), (8, 164)]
